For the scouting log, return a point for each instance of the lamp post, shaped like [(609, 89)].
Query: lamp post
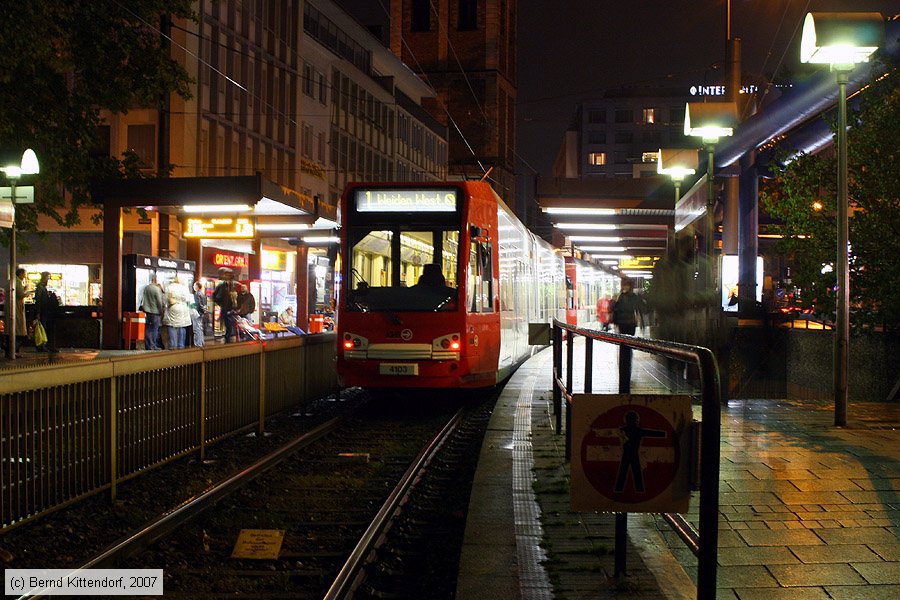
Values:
[(28, 165), (677, 164), (841, 40), (709, 121)]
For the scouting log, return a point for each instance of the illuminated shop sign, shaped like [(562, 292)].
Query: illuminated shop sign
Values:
[(273, 260), (719, 90), (220, 259), (638, 262), (219, 228), (406, 200), (158, 262)]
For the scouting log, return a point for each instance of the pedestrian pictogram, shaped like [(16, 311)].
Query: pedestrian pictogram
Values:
[(630, 453)]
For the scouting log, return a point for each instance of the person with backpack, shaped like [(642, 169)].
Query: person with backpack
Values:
[(47, 303)]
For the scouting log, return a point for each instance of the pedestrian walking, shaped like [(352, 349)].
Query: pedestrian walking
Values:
[(198, 314), (23, 290), (178, 315), (47, 303), (153, 305), (225, 296), (626, 309)]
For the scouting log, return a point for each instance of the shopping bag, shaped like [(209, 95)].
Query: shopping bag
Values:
[(40, 335)]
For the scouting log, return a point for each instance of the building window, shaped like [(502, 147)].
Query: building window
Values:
[(676, 115), (597, 115), (620, 157), (596, 137), (624, 137), (308, 80), (142, 141), (649, 157), (103, 148), (421, 15), (649, 115), (624, 115), (468, 15), (597, 158), (323, 98)]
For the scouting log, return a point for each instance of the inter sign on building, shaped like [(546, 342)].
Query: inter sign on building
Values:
[(630, 453)]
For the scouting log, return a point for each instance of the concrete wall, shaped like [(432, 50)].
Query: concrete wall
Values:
[(796, 363)]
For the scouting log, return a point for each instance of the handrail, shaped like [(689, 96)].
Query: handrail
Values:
[(705, 543)]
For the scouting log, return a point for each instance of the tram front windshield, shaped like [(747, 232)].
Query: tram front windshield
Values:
[(403, 269)]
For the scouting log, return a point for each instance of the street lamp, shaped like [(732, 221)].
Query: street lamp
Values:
[(841, 40), (709, 121), (677, 164), (28, 165)]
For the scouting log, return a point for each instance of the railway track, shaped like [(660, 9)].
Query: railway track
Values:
[(341, 495)]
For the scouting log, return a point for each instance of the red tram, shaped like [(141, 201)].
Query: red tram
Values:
[(438, 284)]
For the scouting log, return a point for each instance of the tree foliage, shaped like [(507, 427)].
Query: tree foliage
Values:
[(61, 62), (810, 235)]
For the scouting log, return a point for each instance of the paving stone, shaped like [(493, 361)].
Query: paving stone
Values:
[(760, 555), (744, 576), (879, 572), (826, 485), (861, 535), (886, 551), (878, 484), (806, 498), (842, 553), (863, 497), (869, 592), (790, 537), (815, 575), (796, 593), (746, 498)]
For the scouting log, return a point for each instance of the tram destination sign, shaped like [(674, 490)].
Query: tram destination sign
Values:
[(219, 228), (406, 200)]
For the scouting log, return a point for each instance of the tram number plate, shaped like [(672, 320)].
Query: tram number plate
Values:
[(398, 369)]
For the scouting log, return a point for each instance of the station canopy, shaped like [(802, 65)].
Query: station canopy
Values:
[(278, 211), (620, 222)]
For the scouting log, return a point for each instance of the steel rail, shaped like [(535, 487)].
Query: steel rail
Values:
[(187, 510), (348, 579)]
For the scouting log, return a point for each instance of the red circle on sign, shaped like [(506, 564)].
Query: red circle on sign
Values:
[(629, 454)]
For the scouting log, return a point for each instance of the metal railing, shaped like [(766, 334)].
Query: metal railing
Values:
[(704, 544), (74, 429)]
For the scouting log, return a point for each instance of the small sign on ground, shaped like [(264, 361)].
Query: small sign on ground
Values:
[(258, 544)]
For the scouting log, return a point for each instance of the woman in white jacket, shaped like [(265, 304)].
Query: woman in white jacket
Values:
[(178, 315)]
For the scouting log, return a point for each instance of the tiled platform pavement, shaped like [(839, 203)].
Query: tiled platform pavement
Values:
[(807, 510)]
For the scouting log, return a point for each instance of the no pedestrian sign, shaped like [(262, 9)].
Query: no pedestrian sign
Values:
[(630, 453)]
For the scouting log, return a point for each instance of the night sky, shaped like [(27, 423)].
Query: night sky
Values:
[(578, 49)]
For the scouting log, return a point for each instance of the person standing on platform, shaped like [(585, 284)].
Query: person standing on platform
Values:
[(178, 315), (626, 308), (246, 305), (198, 314), (23, 290), (225, 295), (153, 305), (47, 302)]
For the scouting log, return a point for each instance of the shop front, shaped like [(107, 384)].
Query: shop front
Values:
[(213, 260), (140, 270), (77, 320)]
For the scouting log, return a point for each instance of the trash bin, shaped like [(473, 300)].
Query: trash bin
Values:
[(316, 323), (133, 328)]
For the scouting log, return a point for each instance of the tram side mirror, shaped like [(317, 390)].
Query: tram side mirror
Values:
[(539, 334)]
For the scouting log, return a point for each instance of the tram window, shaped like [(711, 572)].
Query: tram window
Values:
[(386, 265), (480, 289)]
